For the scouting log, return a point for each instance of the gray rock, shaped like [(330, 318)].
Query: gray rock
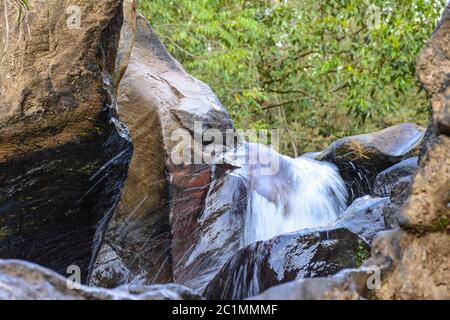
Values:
[(364, 217), (349, 284), (20, 280), (399, 195), (387, 179), (361, 158), (303, 254)]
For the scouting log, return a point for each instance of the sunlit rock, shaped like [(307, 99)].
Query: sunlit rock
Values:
[(428, 208), (158, 225)]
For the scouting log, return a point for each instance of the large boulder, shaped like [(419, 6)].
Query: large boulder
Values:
[(167, 209), (137, 247), (361, 158), (303, 254), (63, 152), (20, 280), (428, 207)]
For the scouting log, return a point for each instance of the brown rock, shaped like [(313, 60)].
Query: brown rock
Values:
[(420, 265), (428, 208), (127, 39), (63, 152), (220, 231), (156, 226), (433, 70)]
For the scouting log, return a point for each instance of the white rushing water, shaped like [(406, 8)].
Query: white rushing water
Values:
[(295, 194)]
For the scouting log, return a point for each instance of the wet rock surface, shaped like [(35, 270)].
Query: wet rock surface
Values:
[(137, 248), (65, 158), (386, 181), (410, 266), (63, 152), (349, 284), (303, 254), (20, 280), (221, 235), (361, 158), (399, 195), (365, 217), (161, 218)]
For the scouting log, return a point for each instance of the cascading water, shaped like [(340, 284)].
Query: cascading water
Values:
[(287, 194)]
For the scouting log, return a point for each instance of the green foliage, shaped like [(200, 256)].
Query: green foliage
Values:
[(362, 254), (317, 69), (443, 222)]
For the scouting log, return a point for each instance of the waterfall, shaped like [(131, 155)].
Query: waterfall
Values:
[(286, 194)]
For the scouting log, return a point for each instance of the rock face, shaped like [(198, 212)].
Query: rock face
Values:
[(399, 195), (361, 158), (298, 255), (20, 280), (63, 152), (166, 213), (419, 267), (428, 208), (138, 242), (386, 181)]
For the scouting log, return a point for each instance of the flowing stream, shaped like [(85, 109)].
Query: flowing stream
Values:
[(286, 194)]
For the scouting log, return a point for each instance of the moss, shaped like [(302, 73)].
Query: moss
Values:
[(442, 223), (89, 168), (362, 253)]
